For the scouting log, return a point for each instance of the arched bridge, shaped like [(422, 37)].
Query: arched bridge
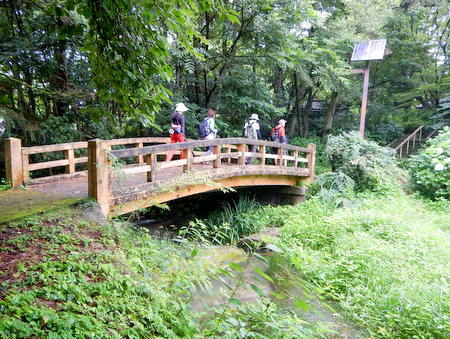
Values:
[(128, 179)]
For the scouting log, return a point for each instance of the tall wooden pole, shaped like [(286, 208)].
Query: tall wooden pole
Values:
[(362, 121)]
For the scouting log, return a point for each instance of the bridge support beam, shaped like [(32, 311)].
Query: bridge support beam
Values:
[(279, 195)]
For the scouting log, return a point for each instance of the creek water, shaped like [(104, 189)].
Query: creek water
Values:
[(284, 279)]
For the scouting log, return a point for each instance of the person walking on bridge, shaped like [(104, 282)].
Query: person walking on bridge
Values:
[(252, 131), (278, 133), (177, 130), (207, 128)]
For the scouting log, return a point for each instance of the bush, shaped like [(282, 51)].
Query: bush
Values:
[(430, 169), (371, 166), (322, 162)]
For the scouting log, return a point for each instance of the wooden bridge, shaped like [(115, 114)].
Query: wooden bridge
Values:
[(124, 179)]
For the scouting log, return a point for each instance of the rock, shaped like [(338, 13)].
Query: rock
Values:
[(222, 255), (260, 239), (93, 213)]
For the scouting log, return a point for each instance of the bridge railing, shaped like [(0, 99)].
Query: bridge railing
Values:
[(19, 164), (283, 158)]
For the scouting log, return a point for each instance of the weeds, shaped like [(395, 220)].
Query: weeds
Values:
[(385, 262), (227, 225)]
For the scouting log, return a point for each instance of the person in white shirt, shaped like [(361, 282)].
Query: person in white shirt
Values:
[(252, 131), (210, 128)]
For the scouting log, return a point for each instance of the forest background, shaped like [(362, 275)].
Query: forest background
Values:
[(78, 69)]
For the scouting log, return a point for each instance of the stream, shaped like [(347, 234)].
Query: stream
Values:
[(285, 280)]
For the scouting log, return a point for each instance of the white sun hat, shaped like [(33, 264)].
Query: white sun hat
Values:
[(254, 117), (180, 107), (282, 122)]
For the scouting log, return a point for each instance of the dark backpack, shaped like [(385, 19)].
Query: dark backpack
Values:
[(203, 130), (274, 135)]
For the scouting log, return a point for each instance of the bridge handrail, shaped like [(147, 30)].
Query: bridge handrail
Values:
[(285, 161), (132, 152), (17, 157)]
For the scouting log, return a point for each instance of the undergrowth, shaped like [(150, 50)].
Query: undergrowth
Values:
[(386, 262), (65, 277)]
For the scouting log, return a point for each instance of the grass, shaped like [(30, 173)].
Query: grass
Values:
[(61, 276), (65, 277), (386, 262), (226, 225)]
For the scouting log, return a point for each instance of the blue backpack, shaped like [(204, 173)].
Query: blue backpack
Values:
[(203, 130)]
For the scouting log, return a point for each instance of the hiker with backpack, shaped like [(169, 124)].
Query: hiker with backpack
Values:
[(252, 131), (177, 130), (207, 128), (278, 133)]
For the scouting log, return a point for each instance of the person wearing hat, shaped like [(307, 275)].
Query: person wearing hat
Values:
[(252, 131), (278, 133), (177, 131)]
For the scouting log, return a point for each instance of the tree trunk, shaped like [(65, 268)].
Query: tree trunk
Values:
[(307, 110), (330, 113), (294, 120), (197, 86), (61, 78), (277, 82)]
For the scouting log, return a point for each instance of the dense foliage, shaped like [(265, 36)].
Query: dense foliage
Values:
[(370, 166), (122, 64), (430, 169)]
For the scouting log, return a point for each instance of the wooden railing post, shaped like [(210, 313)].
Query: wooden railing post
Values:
[(262, 159), (311, 156), (217, 160), (70, 156), (279, 161), (228, 150), (187, 154), (241, 156), (99, 169), (140, 158), (13, 161), (295, 159), (151, 161)]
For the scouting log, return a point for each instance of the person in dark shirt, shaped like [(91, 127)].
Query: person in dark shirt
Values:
[(177, 131)]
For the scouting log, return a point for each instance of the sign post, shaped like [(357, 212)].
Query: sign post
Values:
[(366, 51)]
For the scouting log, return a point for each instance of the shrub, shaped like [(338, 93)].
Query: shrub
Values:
[(322, 162), (430, 169), (371, 166)]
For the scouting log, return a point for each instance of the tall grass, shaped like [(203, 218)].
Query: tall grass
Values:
[(228, 224), (386, 262)]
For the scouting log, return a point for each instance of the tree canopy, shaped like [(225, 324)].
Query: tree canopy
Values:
[(67, 65)]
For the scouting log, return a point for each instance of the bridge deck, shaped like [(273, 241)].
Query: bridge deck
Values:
[(77, 186)]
